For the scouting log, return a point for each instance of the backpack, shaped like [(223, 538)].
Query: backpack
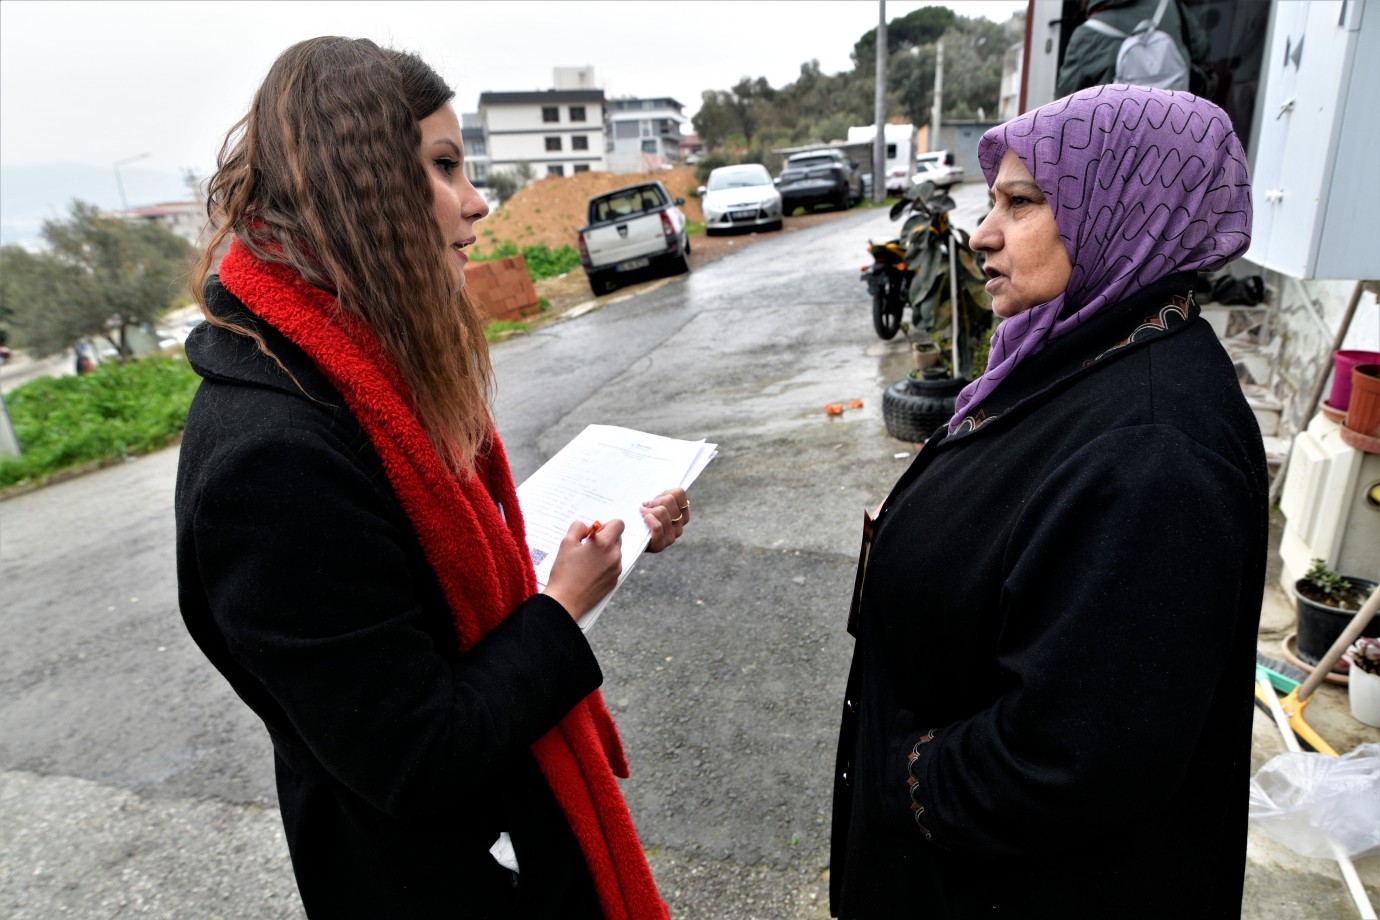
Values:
[(1148, 56)]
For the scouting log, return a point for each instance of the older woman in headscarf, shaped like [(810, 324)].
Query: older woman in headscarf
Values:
[(1049, 709)]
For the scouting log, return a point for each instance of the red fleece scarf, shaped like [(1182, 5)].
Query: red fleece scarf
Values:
[(480, 560)]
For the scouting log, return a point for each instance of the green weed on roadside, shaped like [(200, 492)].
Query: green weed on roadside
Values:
[(117, 411)]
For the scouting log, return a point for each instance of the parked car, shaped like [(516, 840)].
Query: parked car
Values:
[(819, 177), (631, 229), (741, 196), (938, 167)]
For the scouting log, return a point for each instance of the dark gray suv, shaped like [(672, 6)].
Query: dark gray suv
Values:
[(819, 177)]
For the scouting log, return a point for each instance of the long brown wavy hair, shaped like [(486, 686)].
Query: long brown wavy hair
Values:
[(324, 175)]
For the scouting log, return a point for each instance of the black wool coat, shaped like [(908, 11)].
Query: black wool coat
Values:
[(398, 760), (1067, 598)]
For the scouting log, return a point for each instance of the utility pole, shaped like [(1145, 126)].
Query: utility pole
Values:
[(9, 444), (938, 94), (879, 113), (119, 183)]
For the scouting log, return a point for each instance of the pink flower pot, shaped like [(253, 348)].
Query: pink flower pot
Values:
[(1342, 363)]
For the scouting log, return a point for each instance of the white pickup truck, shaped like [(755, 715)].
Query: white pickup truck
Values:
[(629, 230)]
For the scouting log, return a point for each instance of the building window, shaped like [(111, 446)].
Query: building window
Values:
[(550, 113), (581, 167), (577, 113), (555, 170), (553, 143), (579, 142), (649, 146)]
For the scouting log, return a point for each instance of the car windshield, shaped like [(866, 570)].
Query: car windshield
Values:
[(738, 177), (627, 202), (810, 162)]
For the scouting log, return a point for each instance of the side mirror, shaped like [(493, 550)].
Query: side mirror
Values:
[(855, 163), (680, 201), (701, 191)]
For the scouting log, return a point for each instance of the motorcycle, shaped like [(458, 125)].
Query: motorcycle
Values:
[(889, 284)]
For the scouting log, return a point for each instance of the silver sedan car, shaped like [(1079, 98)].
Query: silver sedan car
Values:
[(740, 197)]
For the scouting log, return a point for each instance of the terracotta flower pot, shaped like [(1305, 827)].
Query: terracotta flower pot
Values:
[(1363, 412)]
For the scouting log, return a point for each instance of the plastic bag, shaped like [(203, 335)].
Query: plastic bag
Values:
[(1300, 799)]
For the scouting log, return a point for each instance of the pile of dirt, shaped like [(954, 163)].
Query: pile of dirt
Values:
[(552, 209)]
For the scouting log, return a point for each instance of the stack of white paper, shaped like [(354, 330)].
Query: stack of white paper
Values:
[(603, 474)]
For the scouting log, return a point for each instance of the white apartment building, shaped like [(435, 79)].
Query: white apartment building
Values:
[(560, 132), (476, 148), (643, 134), (186, 219)]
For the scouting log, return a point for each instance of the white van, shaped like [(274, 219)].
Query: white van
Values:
[(900, 152)]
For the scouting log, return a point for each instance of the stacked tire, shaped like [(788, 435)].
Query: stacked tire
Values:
[(914, 408)]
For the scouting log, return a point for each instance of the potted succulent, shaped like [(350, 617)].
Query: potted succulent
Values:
[(1325, 603), (1364, 680)]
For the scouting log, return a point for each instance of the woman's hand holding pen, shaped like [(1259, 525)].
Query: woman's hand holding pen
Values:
[(587, 566), (590, 557), (666, 515)]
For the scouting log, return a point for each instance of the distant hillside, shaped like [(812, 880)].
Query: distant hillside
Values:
[(31, 194)]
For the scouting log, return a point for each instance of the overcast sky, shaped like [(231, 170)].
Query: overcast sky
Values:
[(97, 82)]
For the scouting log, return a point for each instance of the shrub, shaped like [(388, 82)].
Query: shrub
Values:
[(542, 260), (118, 411)]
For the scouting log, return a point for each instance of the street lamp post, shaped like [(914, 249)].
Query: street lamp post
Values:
[(124, 205)]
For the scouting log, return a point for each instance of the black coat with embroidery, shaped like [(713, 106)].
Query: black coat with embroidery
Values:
[(398, 759), (1068, 595)]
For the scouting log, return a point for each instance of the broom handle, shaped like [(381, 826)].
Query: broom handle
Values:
[(1353, 629)]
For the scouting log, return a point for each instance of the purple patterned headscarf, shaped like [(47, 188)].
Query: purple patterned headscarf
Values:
[(1143, 183)]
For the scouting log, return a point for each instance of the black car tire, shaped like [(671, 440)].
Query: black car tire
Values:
[(842, 199), (914, 409), (601, 284), (679, 265)]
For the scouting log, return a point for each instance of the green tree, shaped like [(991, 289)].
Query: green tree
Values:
[(819, 107), (99, 277), (503, 183), (917, 28)]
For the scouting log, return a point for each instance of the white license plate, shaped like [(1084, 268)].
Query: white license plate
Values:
[(744, 215), (634, 264)]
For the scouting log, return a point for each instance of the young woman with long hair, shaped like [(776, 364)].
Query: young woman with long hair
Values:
[(351, 554)]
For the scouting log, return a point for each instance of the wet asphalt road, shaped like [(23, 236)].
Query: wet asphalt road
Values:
[(133, 782)]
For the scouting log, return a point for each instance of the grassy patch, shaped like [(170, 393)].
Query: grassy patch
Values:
[(503, 328), (693, 228), (542, 261), (118, 411)]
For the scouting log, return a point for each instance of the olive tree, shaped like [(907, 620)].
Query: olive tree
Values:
[(98, 277)]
